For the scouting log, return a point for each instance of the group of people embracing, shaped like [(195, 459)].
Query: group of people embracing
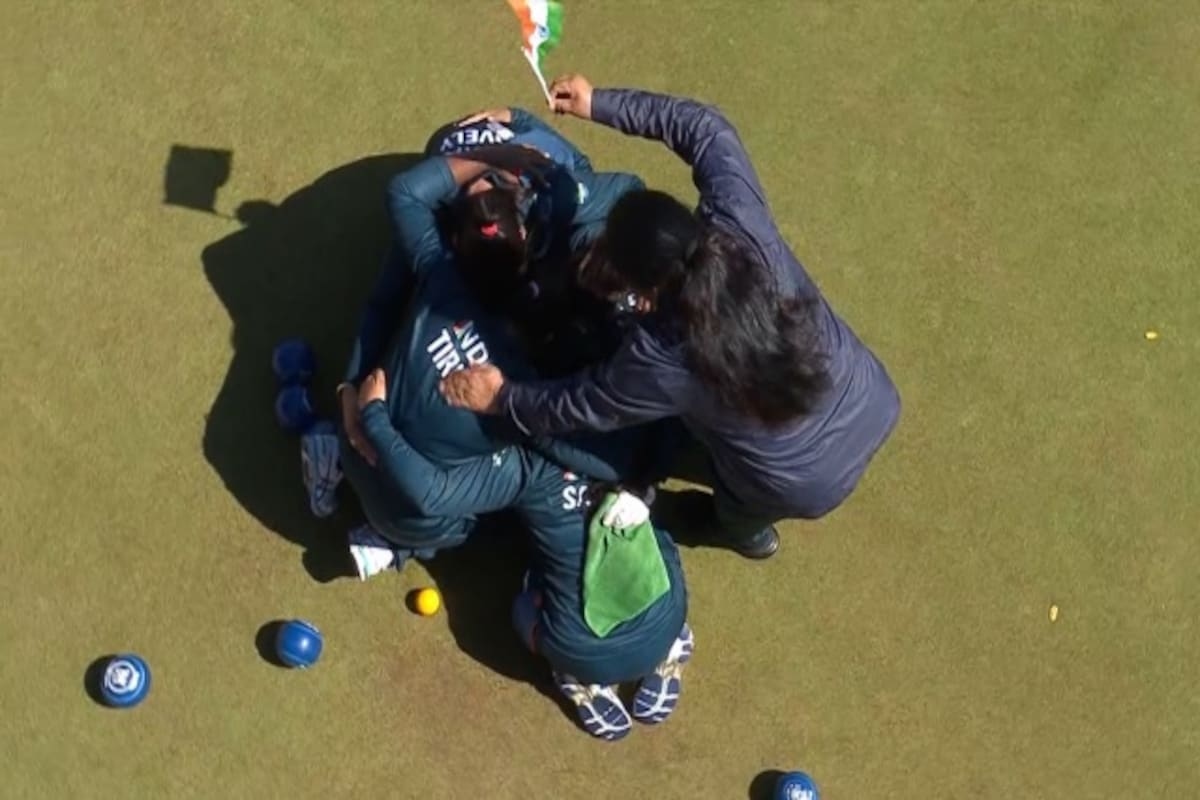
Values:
[(548, 339)]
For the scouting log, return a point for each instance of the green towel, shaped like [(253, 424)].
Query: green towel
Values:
[(623, 573)]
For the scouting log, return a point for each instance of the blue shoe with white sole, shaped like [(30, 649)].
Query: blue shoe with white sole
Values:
[(601, 712), (658, 694)]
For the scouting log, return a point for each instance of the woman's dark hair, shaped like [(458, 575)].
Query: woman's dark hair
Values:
[(757, 348), (489, 246)]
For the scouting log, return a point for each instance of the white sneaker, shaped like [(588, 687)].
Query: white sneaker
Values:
[(372, 553), (320, 469)]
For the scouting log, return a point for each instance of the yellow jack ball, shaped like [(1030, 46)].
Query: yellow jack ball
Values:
[(427, 602)]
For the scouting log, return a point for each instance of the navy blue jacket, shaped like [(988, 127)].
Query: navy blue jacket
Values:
[(802, 469)]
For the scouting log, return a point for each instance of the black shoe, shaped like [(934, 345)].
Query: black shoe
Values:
[(763, 544)]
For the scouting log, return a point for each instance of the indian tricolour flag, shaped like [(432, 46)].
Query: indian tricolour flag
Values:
[(541, 30)]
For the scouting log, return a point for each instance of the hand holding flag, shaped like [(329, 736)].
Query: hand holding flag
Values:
[(571, 94)]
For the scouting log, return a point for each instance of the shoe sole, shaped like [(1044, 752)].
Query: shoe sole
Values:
[(658, 695), (322, 497), (601, 717)]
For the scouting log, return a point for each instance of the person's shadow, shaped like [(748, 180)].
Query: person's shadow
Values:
[(301, 268), (304, 268), (479, 581)]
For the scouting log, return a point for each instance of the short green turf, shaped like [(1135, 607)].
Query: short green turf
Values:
[(1000, 198)]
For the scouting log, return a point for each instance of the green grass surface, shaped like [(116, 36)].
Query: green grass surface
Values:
[(1000, 199)]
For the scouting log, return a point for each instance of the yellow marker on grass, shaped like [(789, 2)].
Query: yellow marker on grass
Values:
[(427, 601)]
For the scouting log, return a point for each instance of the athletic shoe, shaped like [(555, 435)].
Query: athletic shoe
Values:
[(659, 691), (320, 468), (600, 710), (372, 554)]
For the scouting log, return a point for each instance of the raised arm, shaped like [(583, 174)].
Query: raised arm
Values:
[(414, 195), (412, 198), (700, 134)]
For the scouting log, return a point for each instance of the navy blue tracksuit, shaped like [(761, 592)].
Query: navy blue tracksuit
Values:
[(803, 469)]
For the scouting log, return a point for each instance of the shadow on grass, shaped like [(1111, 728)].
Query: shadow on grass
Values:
[(478, 582), (300, 268), (304, 268), (763, 785), (264, 642), (93, 676)]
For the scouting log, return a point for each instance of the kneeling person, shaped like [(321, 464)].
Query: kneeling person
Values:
[(605, 600)]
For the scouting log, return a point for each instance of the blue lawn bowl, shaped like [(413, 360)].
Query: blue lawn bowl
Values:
[(298, 644), (294, 409), (125, 682), (293, 362), (796, 786)]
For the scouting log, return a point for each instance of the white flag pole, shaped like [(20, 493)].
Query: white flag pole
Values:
[(533, 65)]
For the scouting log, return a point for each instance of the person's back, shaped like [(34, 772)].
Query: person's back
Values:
[(556, 505), (444, 331), (814, 460), (438, 333)]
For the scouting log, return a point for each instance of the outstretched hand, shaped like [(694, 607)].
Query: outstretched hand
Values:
[(475, 389), (503, 115), (571, 94)]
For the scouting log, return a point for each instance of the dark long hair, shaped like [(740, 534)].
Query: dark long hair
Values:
[(758, 349), (490, 250)]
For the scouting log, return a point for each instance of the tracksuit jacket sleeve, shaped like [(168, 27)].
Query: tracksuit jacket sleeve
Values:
[(432, 491), (523, 122), (623, 391), (730, 190), (412, 197)]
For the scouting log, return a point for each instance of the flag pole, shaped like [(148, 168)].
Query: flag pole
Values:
[(537, 71)]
